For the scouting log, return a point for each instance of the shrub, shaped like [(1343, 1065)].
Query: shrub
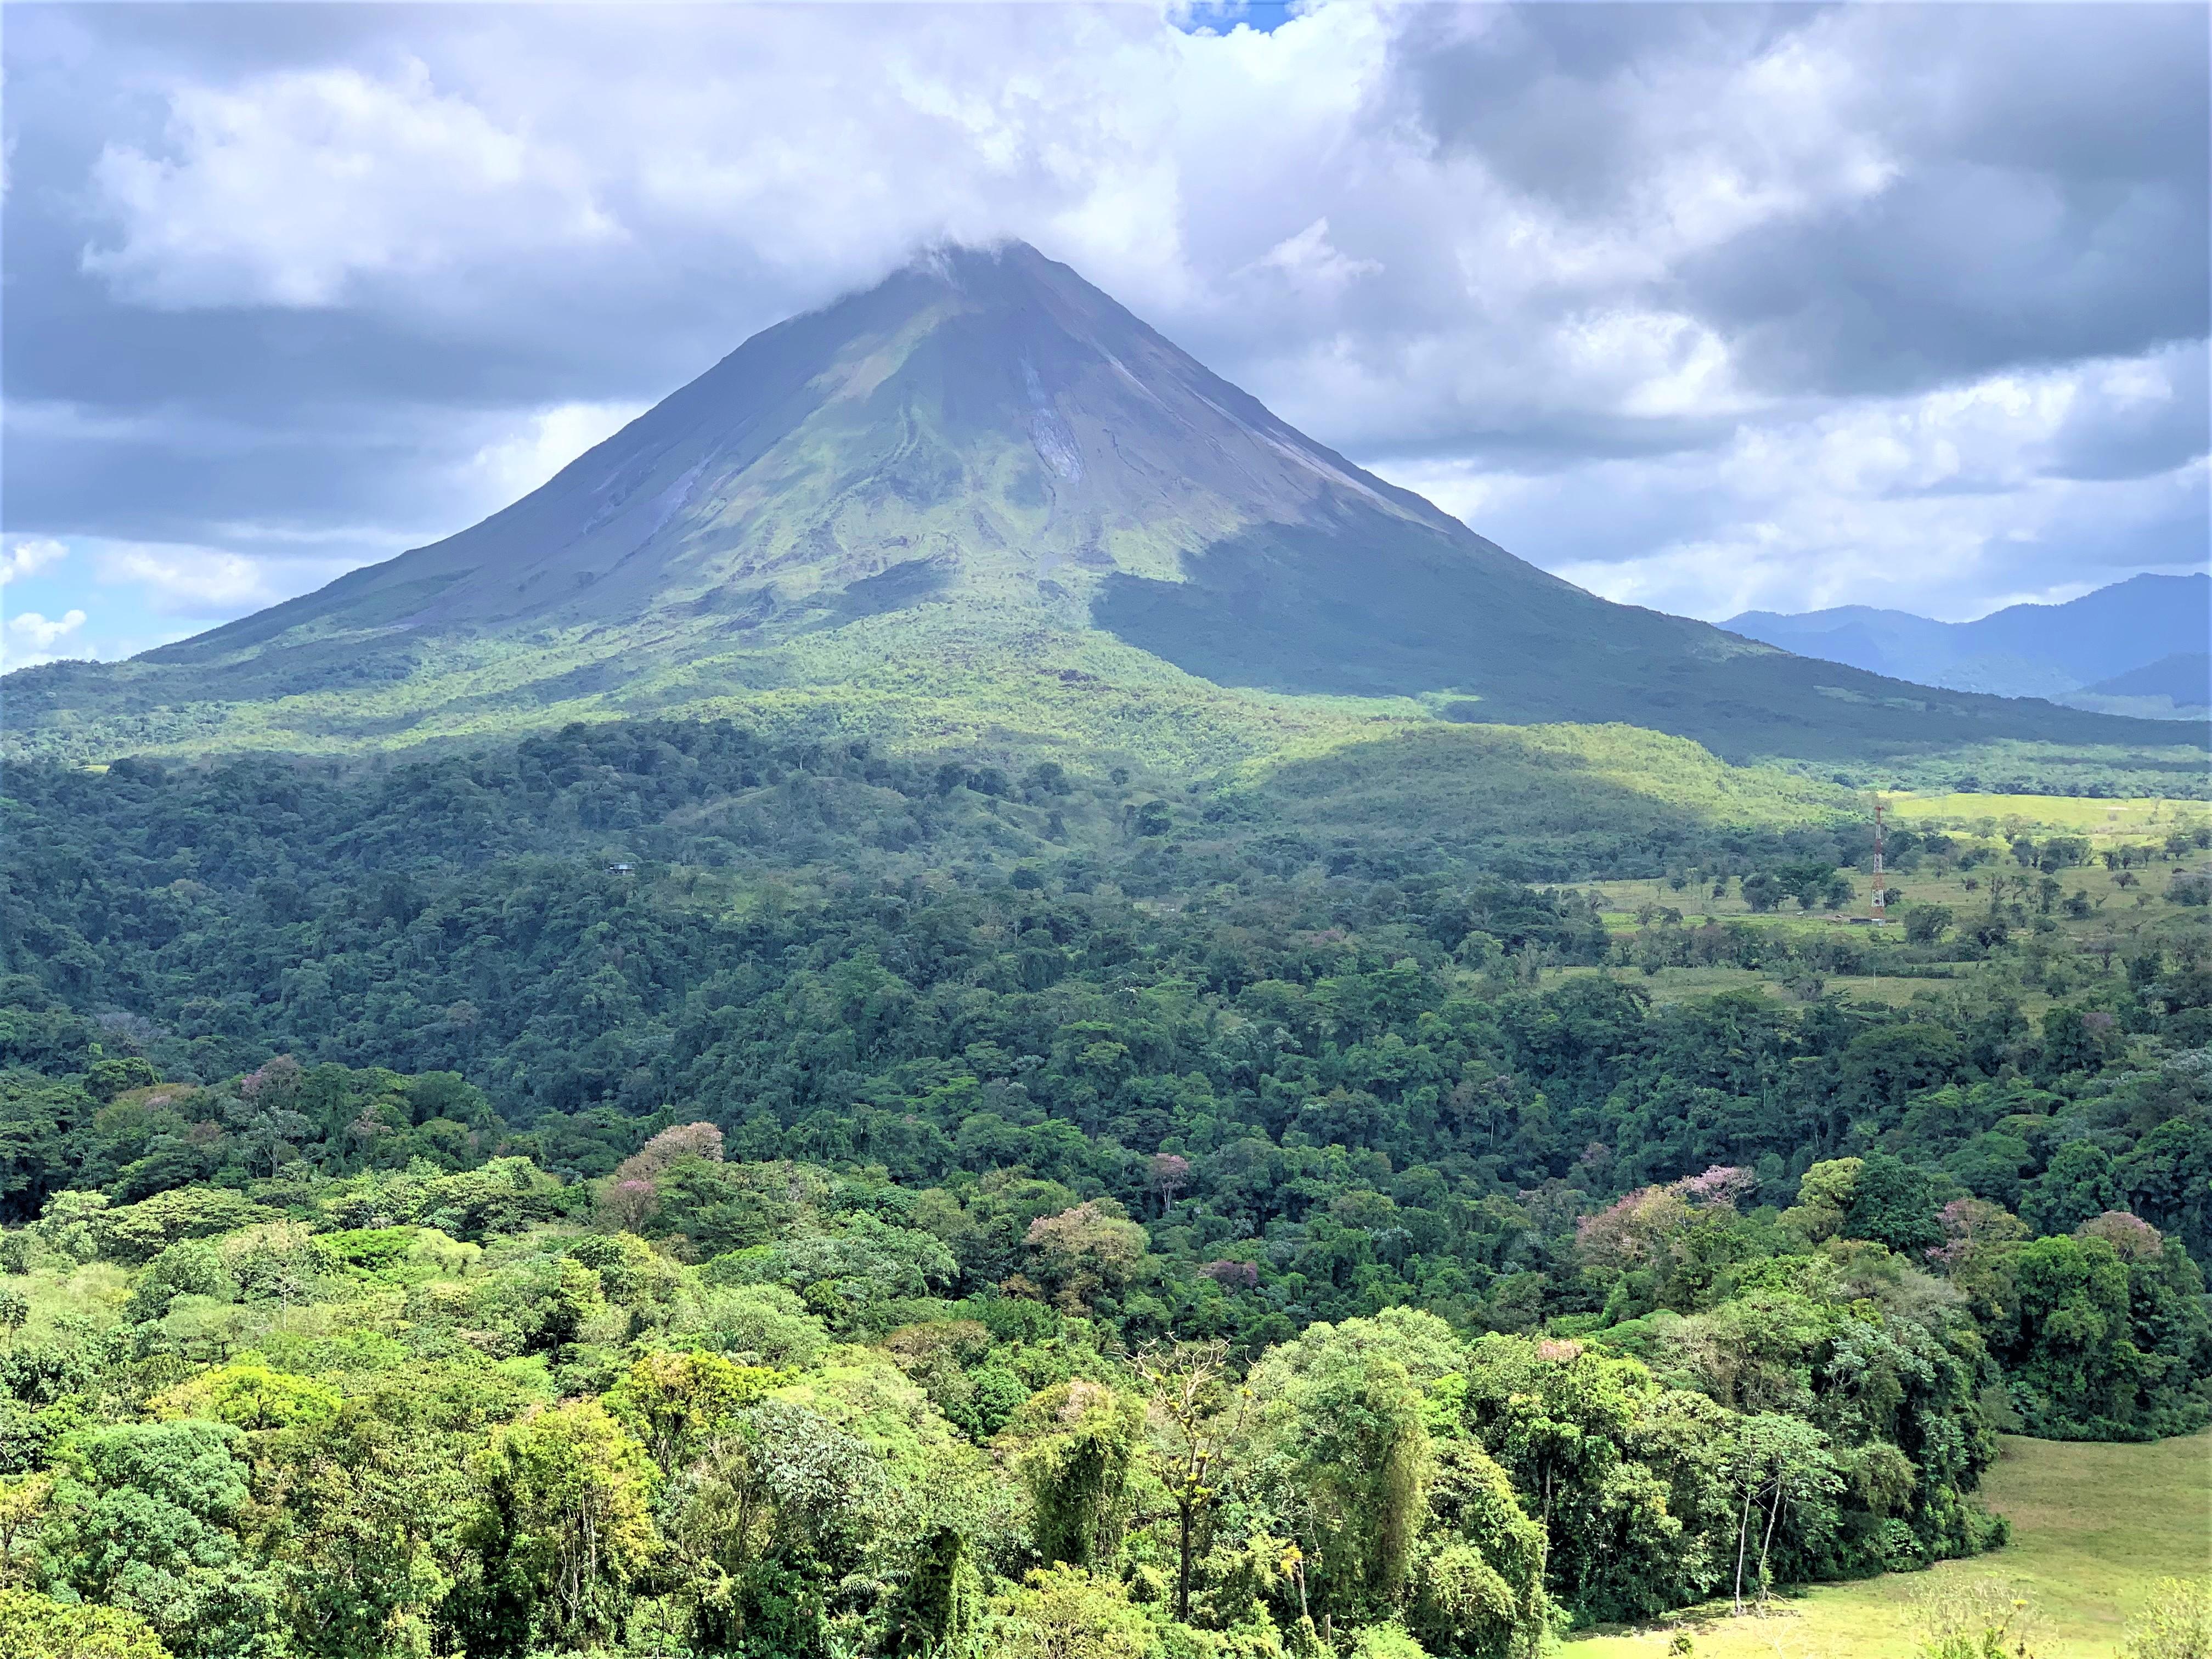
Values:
[(2175, 1623), (1975, 1619), (34, 1626)]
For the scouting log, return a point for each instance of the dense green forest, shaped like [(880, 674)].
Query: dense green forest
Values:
[(650, 1190)]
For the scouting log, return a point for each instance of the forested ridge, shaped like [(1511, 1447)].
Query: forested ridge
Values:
[(541, 915), (650, 1190)]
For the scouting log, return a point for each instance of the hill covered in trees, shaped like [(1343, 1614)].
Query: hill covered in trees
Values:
[(656, 1190), (1120, 1110)]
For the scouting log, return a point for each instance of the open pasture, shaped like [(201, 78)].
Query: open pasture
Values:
[(2093, 1526)]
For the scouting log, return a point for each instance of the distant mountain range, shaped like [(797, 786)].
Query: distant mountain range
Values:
[(2136, 648), (982, 501)]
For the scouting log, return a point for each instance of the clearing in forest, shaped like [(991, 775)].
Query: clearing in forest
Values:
[(2094, 1525)]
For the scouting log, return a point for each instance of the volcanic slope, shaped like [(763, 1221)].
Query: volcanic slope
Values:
[(981, 500)]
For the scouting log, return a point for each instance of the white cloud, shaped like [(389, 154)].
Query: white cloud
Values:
[(42, 633), (547, 440), (178, 580), (292, 187), (1310, 261), (28, 557), (1943, 504), (1263, 196), (1707, 306), (26, 641)]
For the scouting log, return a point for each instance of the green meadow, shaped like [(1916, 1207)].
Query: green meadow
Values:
[(2093, 1525)]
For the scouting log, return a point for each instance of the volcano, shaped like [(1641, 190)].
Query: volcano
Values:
[(979, 469), (981, 424)]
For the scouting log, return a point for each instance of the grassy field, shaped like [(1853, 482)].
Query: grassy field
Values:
[(2099, 915), (2093, 1527), (2138, 817)]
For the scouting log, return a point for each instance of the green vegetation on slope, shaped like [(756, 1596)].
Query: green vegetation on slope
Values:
[(381, 1385), (981, 505), (651, 1189), (246, 903)]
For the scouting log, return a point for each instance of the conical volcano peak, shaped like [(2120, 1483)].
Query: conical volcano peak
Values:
[(959, 264), (1007, 272), (978, 466), (982, 422)]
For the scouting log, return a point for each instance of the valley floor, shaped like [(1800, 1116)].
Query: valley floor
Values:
[(2093, 1525), (2118, 914)]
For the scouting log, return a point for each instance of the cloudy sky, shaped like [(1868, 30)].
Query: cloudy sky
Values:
[(1709, 309)]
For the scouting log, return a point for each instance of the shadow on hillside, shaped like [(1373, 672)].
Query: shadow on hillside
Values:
[(1539, 803), (1373, 605)]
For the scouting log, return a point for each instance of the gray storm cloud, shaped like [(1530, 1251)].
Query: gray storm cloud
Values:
[(1707, 307)]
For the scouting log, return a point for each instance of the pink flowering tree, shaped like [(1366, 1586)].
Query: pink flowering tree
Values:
[(1170, 1173), (1232, 1275), (2134, 1238), (1637, 1230), (633, 1189), (684, 1140), (1970, 1223), (1723, 1184)]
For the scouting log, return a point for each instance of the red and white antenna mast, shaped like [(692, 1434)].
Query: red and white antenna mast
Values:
[(1876, 903)]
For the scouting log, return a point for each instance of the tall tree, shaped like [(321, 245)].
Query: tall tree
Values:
[(565, 1526), (1190, 1393)]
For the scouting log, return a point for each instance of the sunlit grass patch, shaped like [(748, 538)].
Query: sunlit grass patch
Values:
[(2137, 816), (2094, 1526)]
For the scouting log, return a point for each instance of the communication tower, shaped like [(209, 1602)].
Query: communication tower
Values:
[(1875, 904)]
